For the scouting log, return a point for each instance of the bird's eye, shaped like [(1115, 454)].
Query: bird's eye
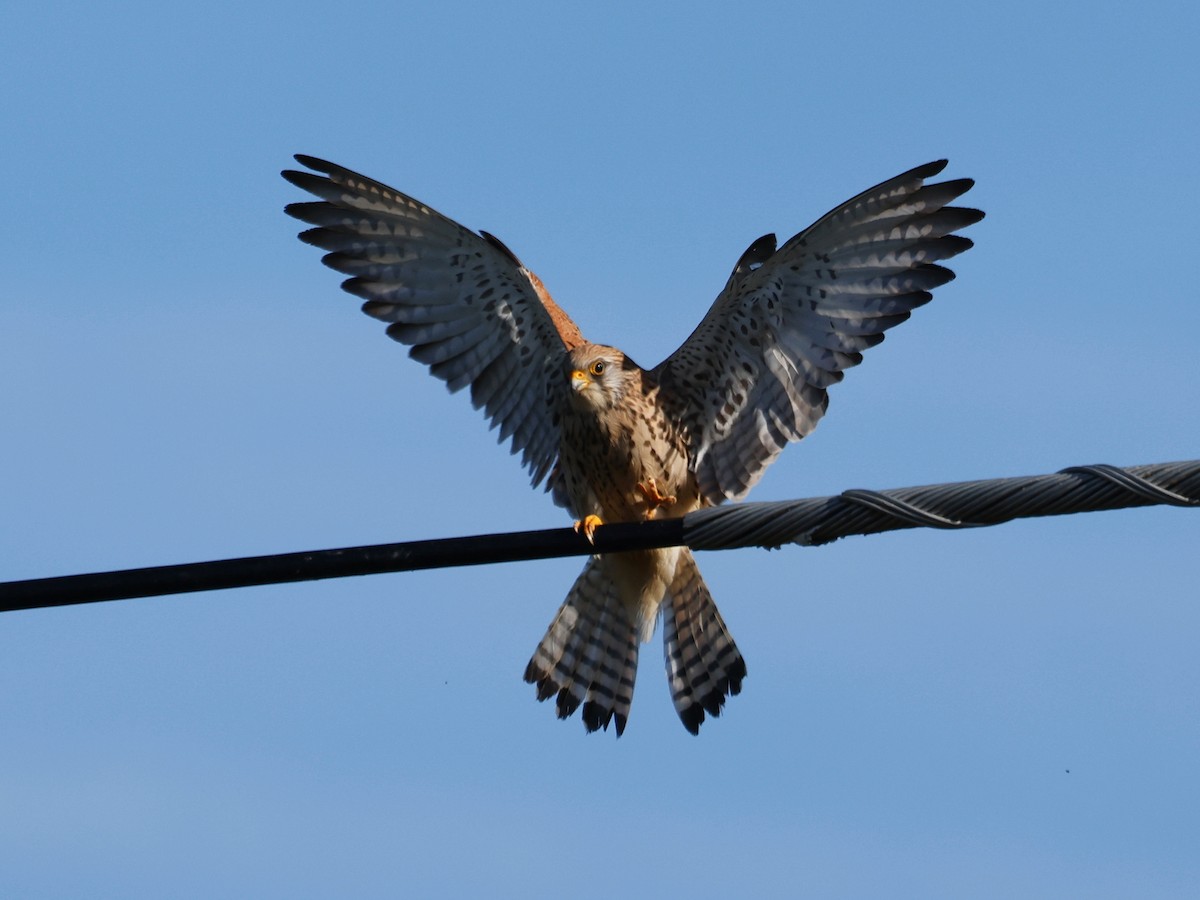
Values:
[(597, 368)]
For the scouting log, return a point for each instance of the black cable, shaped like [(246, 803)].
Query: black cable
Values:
[(807, 522)]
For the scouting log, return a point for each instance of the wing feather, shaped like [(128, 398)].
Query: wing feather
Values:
[(461, 301), (753, 375)]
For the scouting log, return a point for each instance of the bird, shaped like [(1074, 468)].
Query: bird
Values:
[(614, 442)]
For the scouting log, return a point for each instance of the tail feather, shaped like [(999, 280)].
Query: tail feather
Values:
[(704, 665), (589, 653)]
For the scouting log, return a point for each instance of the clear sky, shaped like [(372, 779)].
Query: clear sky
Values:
[(1005, 712)]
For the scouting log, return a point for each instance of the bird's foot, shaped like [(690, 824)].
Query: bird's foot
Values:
[(654, 497), (587, 526)]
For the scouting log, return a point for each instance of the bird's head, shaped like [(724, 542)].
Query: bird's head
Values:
[(597, 376)]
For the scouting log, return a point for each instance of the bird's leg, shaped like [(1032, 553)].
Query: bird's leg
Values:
[(654, 498), (587, 526)]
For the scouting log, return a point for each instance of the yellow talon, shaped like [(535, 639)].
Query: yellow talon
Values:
[(654, 498), (587, 525)]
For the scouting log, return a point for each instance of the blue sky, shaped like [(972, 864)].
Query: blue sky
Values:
[(1008, 711)]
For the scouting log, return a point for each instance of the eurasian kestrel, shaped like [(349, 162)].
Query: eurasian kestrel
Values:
[(616, 442)]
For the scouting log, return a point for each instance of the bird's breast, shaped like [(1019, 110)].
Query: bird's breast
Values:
[(608, 454)]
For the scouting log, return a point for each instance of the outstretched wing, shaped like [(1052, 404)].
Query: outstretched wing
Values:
[(462, 301), (753, 375)]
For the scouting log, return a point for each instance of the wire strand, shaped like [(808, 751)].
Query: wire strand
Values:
[(809, 522)]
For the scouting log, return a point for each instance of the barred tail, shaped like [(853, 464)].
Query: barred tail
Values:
[(703, 663), (589, 654)]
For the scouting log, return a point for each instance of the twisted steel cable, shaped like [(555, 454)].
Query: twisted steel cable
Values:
[(810, 522), (966, 504)]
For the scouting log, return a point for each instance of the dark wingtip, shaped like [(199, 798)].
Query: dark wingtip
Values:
[(929, 169), (954, 188), (306, 181), (314, 162), (957, 244), (310, 236), (936, 275), (295, 177)]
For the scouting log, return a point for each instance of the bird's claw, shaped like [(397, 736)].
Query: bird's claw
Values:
[(654, 498), (587, 527)]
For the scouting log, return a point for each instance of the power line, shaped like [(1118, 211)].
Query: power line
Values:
[(808, 522), (963, 504)]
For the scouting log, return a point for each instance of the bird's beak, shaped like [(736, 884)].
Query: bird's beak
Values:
[(579, 380)]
